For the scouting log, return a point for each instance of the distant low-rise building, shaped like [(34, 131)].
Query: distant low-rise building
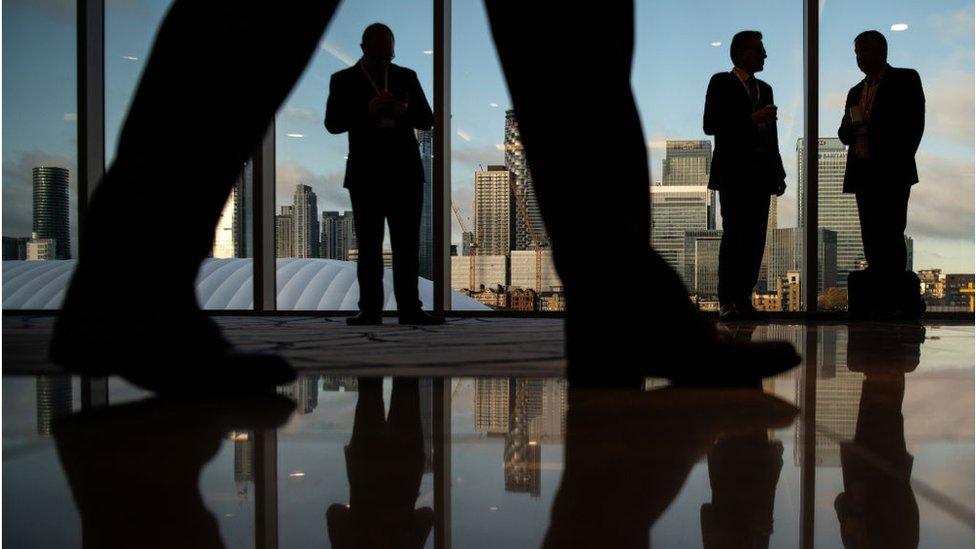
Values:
[(522, 300)]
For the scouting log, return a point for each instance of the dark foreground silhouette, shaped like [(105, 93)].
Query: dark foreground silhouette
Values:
[(134, 240), (134, 469)]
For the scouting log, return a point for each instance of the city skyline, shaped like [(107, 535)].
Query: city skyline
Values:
[(40, 118)]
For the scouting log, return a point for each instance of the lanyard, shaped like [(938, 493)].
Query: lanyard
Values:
[(868, 94), (386, 77)]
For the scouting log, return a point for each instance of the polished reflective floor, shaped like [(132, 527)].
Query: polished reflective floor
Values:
[(868, 444)]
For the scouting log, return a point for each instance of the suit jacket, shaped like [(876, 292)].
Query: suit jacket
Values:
[(894, 132), (378, 155), (736, 162)]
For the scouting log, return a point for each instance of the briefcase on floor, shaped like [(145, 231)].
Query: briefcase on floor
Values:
[(871, 296)]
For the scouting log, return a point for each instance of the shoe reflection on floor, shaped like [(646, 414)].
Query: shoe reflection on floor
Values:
[(628, 454), (134, 469)]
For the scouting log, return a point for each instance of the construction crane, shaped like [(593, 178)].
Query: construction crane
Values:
[(472, 250), (536, 241)]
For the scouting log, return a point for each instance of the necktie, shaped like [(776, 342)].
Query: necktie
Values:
[(753, 87)]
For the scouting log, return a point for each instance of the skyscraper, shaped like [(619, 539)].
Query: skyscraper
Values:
[(306, 222), (675, 210), (304, 391), (701, 262), (243, 458), (492, 211), (764, 284), (687, 163), (836, 211), (350, 232), (243, 226), (516, 163), (909, 254), (426, 255), (224, 241), (784, 253), (53, 400), (335, 237), (51, 204), (491, 405), (285, 232), (522, 460)]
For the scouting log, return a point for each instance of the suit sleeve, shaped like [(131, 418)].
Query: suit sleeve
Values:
[(779, 158), (914, 114), (719, 117), (419, 115), (341, 112), (846, 130)]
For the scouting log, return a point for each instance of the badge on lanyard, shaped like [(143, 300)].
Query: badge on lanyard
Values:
[(385, 122)]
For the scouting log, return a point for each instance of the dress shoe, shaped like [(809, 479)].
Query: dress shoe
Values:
[(421, 318), (365, 319), (175, 353), (729, 312), (747, 311)]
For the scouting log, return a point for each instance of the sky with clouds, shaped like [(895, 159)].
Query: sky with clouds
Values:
[(675, 56)]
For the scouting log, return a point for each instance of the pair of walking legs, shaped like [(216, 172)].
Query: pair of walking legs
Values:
[(153, 215)]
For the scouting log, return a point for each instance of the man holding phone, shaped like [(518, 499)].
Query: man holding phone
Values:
[(882, 126), (746, 169), (380, 105)]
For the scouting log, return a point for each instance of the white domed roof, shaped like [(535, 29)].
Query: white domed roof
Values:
[(303, 285)]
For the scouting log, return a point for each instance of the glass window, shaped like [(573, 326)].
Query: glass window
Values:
[(40, 155), (936, 40), (501, 258), (687, 221), (316, 243), (224, 279)]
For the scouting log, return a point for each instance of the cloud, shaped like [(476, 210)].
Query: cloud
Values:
[(18, 192), (467, 159), (954, 25), (941, 205), (949, 107), (327, 187), (300, 114)]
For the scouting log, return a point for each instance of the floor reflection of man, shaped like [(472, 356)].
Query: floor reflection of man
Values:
[(628, 455), (384, 463), (743, 472), (134, 469), (877, 507)]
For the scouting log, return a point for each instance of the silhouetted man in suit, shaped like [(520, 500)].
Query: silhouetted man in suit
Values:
[(746, 169), (884, 118), (162, 167), (380, 105)]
